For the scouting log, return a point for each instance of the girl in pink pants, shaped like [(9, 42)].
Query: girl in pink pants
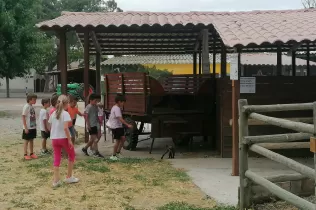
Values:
[(61, 138)]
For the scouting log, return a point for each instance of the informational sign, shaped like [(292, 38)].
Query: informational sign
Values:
[(234, 66), (247, 84)]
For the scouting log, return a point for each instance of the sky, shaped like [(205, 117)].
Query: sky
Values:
[(207, 5)]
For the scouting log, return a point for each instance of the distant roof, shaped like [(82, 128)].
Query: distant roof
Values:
[(246, 59), (233, 28)]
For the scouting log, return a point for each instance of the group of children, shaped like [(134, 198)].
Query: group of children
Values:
[(58, 125)]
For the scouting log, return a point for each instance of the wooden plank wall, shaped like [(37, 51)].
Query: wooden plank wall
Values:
[(269, 90), (134, 85), (184, 84)]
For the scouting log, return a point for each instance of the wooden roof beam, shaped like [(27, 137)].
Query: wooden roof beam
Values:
[(294, 48), (95, 42)]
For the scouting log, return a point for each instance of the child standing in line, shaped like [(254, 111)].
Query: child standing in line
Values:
[(73, 111), (116, 122), (43, 118), (61, 139), (29, 126), (92, 120)]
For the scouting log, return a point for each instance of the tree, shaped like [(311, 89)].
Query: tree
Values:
[(309, 3), (18, 38)]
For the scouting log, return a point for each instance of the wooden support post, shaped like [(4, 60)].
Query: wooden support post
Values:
[(244, 188), (86, 75), (314, 134), (308, 67), (98, 73), (279, 61), (194, 63), (294, 63), (200, 59), (63, 61), (214, 57), (205, 52), (235, 98), (223, 61)]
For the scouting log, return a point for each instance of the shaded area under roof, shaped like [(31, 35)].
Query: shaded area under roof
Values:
[(246, 59), (175, 33)]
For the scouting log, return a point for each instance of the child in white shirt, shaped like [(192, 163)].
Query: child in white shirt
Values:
[(43, 119)]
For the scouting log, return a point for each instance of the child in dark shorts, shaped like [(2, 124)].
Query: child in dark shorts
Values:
[(43, 119), (116, 123), (29, 126), (92, 120)]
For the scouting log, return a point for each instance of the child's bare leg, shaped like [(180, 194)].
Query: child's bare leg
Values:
[(73, 139), (56, 174), (121, 144), (116, 146), (25, 146), (44, 141), (70, 168), (31, 146), (93, 139)]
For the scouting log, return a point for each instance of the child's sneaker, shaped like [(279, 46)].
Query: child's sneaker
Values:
[(97, 154), (27, 157), (119, 155), (44, 152), (113, 158), (71, 180), (33, 156), (57, 184), (85, 151)]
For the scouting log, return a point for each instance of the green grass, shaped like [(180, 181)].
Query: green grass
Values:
[(40, 163), (4, 114), (185, 206)]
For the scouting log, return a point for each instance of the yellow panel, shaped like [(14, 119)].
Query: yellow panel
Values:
[(184, 68)]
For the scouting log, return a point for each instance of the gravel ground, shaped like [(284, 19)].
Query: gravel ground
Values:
[(281, 205)]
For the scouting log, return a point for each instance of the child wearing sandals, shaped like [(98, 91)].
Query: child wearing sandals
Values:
[(61, 139)]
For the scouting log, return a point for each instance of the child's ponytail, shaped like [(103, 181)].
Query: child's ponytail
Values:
[(62, 100)]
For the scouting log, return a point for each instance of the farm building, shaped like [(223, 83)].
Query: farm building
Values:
[(259, 64)]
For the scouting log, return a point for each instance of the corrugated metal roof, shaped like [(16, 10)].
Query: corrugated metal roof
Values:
[(234, 28), (246, 59)]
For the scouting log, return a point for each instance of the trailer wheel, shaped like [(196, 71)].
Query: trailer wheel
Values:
[(131, 136)]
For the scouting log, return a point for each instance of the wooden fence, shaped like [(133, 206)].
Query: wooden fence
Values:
[(256, 144)]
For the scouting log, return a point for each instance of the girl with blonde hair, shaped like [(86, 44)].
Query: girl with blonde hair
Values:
[(61, 139)]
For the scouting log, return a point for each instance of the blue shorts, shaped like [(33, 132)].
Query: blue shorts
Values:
[(72, 131)]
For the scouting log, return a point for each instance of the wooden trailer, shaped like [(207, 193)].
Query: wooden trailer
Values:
[(177, 106)]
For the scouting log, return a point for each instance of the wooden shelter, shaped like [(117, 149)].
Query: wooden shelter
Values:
[(132, 33)]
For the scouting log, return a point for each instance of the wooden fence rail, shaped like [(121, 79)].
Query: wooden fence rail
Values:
[(262, 144)]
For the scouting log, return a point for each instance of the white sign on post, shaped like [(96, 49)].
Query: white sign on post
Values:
[(247, 84), (234, 66)]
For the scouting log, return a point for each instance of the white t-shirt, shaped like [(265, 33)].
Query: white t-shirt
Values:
[(113, 119), (57, 126), (43, 116), (29, 113)]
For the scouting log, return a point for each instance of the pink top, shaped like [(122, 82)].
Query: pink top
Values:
[(51, 111)]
